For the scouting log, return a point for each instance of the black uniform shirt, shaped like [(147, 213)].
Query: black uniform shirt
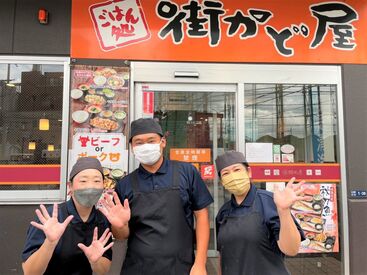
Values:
[(36, 237), (268, 211)]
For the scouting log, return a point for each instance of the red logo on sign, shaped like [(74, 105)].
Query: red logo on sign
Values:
[(207, 172)]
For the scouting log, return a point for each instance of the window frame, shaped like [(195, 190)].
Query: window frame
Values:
[(44, 196)]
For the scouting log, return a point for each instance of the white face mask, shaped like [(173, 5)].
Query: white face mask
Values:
[(148, 153)]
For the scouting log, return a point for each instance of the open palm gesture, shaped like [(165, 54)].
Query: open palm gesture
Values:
[(98, 246), (116, 213), (292, 192), (52, 228)]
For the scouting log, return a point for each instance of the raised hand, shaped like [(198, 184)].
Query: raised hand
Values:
[(116, 213), (98, 246), (52, 228), (292, 192)]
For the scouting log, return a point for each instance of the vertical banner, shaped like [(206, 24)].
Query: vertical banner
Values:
[(318, 217), (148, 104), (99, 118)]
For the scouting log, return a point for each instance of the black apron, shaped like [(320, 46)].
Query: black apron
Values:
[(68, 258), (245, 248), (161, 241)]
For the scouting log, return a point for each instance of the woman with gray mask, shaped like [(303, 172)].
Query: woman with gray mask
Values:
[(73, 237)]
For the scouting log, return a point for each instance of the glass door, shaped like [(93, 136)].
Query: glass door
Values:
[(199, 123)]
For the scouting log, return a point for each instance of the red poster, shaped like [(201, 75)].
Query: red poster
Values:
[(318, 217), (148, 103), (207, 172)]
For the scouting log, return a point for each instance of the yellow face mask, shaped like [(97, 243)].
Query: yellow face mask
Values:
[(237, 183)]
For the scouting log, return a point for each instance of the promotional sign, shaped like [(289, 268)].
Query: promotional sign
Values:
[(99, 103), (207, 172), (190, 154), (318, 218), (266, 172), (109, 149), (99, 99), (208, 31)]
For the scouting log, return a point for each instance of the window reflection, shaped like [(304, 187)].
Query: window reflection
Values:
[(301, 115), (28, 93)]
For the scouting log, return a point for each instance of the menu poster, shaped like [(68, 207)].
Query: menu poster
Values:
[(99, 99), (318, 217), (109, 149), (99, 108)]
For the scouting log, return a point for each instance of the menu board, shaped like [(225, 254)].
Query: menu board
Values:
[(318, 217), (99, 108)]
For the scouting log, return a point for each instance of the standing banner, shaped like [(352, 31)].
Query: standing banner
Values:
[(278, 31)]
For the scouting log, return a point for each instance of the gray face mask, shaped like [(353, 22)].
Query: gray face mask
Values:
[(88, 196)]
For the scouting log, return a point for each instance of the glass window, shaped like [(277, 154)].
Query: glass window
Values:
[(31, 103), (301, 115), (304, 118)]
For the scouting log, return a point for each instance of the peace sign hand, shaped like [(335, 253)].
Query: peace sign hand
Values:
[(97, 248), (116, 213), (50, 225), (292, 192)]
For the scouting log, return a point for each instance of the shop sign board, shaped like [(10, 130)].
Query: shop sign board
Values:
[(208, 31), (191, 154), (265, 172)]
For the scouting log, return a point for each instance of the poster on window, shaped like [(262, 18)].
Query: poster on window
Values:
[(99, 99), (318, 218), (99, 108), (108, 148)]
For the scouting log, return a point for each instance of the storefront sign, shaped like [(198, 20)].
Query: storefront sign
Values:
[(193, 30), (264, 172), (29, 174), (207, 172), (190, 154), (318, 218)]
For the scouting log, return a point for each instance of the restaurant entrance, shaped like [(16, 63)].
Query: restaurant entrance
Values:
[(285, 119)]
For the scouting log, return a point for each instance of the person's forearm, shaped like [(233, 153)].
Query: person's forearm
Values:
[(121, 233), (37, 263), (101, 267), (202, 236), (289, 236)]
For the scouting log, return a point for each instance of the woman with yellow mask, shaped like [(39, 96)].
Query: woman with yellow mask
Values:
[(255, 229)]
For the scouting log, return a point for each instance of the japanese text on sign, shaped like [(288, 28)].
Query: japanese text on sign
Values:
[(190, 155), (119, 23), (210, 19), (109, 149)]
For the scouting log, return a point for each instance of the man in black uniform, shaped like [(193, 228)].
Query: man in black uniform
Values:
[(73, 237), (164, 196)]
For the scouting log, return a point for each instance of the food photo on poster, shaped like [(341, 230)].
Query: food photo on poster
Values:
[(99, 99), (318, 218), (99, 108)]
